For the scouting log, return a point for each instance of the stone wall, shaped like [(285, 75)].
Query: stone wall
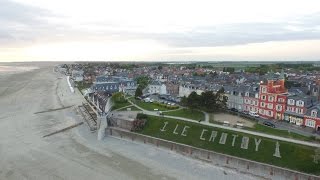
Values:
[(238, 164)]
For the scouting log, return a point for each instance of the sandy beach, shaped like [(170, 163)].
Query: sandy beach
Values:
[(76, 154)]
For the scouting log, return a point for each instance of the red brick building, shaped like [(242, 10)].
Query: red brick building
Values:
[(272, 97)]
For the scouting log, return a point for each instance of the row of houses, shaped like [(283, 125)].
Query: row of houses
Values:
[(271, 100), (112, 84)]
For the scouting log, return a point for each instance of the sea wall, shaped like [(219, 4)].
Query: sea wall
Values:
[(69, 84), (238, 164)]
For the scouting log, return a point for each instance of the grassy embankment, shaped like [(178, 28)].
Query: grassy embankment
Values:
[(293, 156)]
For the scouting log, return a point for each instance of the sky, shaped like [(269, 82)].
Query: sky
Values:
[(166, 30)]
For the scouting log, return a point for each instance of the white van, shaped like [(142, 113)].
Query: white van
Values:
[(147, 100), (253, 114)]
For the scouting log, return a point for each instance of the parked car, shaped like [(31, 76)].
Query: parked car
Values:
[(245, 112), (267, 123), (234, 109), (253, 114)]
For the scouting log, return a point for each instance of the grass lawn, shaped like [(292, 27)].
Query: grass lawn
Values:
[(149, 106), (187, 113), (293, 156), (118, 105), (133, 108)]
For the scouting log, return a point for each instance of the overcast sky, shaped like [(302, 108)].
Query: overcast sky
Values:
[(159, 30)]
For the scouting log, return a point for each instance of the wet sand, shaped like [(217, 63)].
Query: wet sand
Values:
[(75, 154)]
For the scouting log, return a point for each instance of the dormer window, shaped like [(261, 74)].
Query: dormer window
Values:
[(291, 102), (247, 93), (300, 103), (264, 90), (314, 113)]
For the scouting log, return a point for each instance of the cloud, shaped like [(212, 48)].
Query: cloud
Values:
[(304, 28), (22, 25)]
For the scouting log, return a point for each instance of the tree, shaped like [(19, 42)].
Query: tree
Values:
[(160, 67), (221, 99), (184, 101), (138, 92), (143, 81), (208, 101), (193, 100)]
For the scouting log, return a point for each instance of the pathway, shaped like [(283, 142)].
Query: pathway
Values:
[(206, 122)]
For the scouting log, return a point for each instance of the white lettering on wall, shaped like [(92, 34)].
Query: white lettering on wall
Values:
[(213, 135), (201, 137), (257, 142), (175, 129), (234, 138), (184, 131), (223, 138), (277, 150), (245, 142), (164, 126)]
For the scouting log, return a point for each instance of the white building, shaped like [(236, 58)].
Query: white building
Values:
[(156, 87), (187, 89)]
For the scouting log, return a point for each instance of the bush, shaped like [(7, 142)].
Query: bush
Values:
[(141, 116), (138, 124)]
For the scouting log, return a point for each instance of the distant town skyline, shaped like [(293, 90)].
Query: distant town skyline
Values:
[(247, 30)]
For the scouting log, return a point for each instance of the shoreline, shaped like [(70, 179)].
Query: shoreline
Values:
[(27, 155)]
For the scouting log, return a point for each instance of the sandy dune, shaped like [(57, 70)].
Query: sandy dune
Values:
[(75, 154)]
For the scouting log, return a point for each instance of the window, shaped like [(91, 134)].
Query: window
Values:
[(261, 111), (270, 113), (262, 104), (247, 93), (314, 113), (270, 106), (270, 98), (291, 102), (264, 90), (279, 108), (300, 103), (280, 100), (310, 123)]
